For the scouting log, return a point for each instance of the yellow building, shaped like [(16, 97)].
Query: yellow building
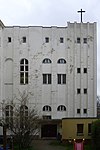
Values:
[(76, 128)]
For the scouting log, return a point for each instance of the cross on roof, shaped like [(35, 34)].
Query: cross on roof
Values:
[(81, 11)]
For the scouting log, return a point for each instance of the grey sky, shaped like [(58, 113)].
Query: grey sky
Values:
[(51, 12)]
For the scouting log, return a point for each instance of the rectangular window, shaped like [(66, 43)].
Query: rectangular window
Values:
[(89, 128), (78, 40), (80, 129), (85, 70), (85, 91), (61, 40), (47, 39), (78, 111), (61, 78), (78, 91), (46, 78), (24, 39), (84, 40), (85, 111), (9, 39), (46, 117), (78, 70)]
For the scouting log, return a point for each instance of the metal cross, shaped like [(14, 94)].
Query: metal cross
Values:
[(81, 11)]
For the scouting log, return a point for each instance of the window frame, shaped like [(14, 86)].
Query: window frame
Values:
[(61, 78), (61, 108), (61, 40), (24, 71), (47, 78), (78, 40), (46, 39), (80, 129)]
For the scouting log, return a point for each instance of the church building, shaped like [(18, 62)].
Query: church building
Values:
[(57, 65)]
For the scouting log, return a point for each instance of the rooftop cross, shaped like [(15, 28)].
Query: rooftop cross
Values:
[(81, 11)]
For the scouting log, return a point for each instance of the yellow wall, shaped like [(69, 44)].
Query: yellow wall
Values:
[(69, 128)]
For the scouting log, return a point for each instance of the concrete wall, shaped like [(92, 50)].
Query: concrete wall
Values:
[(35, 50)]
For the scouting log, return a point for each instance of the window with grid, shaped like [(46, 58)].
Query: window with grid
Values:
[(46, 61), (61, 108), (61, 61), (46, 108), (9, 114), (46, 78), (61, 78), (24, 71)]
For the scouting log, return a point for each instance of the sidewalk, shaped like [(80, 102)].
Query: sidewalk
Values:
[(45, 145)]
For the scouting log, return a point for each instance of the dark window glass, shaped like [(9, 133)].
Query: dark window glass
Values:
[(84, 40), (61, 40), (47, 39), (80, 129), (85, 91), (78, 111), (78, 40), (78, 70), (24, 71), (46, 78), (46, 61), (61, 61), (85, 111), (61, 78), (24, 39), (78, 91), (61, 108), (89, 128), (85, 70), (9, 39)]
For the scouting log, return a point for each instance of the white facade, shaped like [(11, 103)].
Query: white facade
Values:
[(75, 43)]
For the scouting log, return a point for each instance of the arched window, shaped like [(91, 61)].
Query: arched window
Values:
[(46, 108), (24, 71), (61, 61), (24, 111), (46, 61), (9, 114), (61, 108)]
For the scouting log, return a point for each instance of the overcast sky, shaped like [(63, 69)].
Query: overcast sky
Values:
[(52, 12)]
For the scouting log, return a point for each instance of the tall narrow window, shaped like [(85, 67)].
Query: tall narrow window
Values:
[(78, 70), (9, 114), (24, 71), (61, 78), (61, 40), (84, 40), (46, 78), (80, 129), (78, 91), (9, 39), (46, 39), (85, 91), (78, 40), (89, 128), (85, 70), (24, 39)]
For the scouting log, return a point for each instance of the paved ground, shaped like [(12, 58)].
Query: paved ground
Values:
[(45, 145)]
